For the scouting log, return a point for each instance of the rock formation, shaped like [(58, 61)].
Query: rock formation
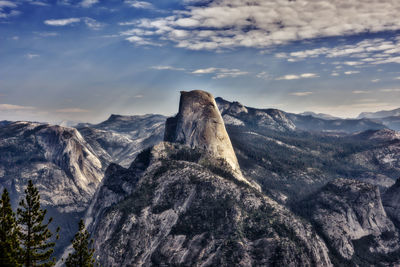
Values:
[(180, 213), (350, 215), (199, 124), (61, 164), (391, 202)]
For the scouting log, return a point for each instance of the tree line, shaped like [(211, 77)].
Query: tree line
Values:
[(26, 240)]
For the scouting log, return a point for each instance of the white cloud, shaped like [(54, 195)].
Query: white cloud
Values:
[(205, 71), (61, 22), (375, 80), (397, 78), (14, 107), (390, 90), (302, 93), (72, 110), (220, 73), (360, 92), (263, 75), (93, 24), (10, 4), (139, 4), (88, 3), (141, 41), (31, 56), (288, 77), (12, 13), (296, 77), (7, 9), (89, 22), (223, 24), (352, 63), (308, 75), (350, 72), (335, 74), (368, 51), (38, 3), (166, 68)]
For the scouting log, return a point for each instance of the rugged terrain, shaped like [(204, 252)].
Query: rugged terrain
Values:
[(60, 163), (183, 211), (290, 163), (67, 165), (350, 216), (229, 185), (120, 138)]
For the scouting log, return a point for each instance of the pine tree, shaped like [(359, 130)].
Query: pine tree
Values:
[(9, 244), (35, 236), (82, 255)]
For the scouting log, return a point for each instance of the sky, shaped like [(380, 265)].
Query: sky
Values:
[(82, 60)]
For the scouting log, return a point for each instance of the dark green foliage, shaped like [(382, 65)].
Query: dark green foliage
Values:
[(187, 154), (83, 254), (35, 236), (9, 243), (144, 157)]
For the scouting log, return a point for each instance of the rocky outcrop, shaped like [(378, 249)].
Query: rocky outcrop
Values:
[(350, 215), (199, 124), (184, 213), (119, 139), (61, 164), (391, 202)]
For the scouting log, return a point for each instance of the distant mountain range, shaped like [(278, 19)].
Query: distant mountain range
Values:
[(319, 115), (380, 114), (388, 118), (306, 189)]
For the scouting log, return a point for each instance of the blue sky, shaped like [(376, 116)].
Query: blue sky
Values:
[(83, 60)]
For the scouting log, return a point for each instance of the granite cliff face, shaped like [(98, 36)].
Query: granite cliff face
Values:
[(62, 165), (199, 124), (120, 138), (350, 216), (391, 202)]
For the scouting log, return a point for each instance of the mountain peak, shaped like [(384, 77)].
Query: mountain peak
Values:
[(199, 124)]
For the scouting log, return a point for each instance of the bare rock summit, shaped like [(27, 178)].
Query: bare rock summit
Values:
[(199, 124)]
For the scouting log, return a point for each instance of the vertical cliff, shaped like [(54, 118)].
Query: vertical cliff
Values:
[(199, 124)]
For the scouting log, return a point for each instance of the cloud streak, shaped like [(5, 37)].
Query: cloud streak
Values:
[(11, 5), (296, 77), (139, 4), (302, 93), (166, 68), (220, 73), (89, 22), (11, 107), (88, 3), (369, 51), (61, 22)]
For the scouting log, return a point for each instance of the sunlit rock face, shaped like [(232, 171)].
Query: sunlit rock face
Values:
[(351, 216), (61, 164), (199, 124)]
